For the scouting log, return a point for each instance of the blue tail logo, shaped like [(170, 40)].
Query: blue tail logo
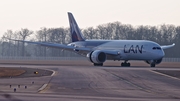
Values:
[(74, 37), (76, 34)]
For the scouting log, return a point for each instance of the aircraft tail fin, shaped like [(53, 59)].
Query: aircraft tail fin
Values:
[(76, 34)]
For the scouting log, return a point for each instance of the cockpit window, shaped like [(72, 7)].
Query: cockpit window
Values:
[(158, 48)]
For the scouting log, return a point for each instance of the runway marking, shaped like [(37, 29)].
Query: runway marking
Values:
[(164, 75), (61, 88), (130, 83), (53, 72), (77, 88), (46, 84), (43, 87), (142, 88)]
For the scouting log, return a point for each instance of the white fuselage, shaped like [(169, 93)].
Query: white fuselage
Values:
[(127, 49)]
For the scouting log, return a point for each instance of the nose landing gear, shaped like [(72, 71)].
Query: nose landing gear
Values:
[(153, 64)]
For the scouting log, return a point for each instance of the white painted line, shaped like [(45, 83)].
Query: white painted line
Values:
[(165, 75), (76, 88), (43, 87), (53, 72), (61, 88)]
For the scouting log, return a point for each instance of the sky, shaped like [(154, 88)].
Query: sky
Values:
[(35, 14)]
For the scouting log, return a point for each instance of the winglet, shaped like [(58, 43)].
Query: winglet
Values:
[(76, 34), (168, 46)]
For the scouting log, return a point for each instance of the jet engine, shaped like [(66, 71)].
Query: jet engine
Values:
[(96, 56), (155, 61)]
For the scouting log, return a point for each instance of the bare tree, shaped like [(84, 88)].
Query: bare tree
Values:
[(7, 45), (41, 35), (90, 33), (163, 34), (23, 34)]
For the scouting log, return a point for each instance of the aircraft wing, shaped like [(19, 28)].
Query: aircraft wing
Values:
[(167, 46), (55, 45), (79, 50)]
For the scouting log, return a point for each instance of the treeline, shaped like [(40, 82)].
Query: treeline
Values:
[(162, 34)]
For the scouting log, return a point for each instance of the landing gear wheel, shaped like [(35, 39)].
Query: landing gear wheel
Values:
[(125, 64), (98, 64), (153, 65), (128, 64), (122, 64)]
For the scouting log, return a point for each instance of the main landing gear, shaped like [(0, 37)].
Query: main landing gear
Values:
[(125, 64), (98, 64)]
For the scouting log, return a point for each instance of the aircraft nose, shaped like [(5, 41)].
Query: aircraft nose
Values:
[(160, 54)]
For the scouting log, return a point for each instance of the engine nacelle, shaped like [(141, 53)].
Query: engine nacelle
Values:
[(156, 61), (96, 56)]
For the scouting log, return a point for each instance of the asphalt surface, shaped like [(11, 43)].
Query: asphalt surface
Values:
[(89, 83)]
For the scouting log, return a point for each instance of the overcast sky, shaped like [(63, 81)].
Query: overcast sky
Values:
[(34, 14)]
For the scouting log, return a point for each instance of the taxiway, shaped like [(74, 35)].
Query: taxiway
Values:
[(89, 83)]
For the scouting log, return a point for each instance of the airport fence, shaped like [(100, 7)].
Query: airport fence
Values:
[(171, 59), (67, 58), (41, 58)]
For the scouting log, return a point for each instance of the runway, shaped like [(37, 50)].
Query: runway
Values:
[(89, 83)]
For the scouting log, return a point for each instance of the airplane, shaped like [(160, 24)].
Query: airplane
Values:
[(98, 51)]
